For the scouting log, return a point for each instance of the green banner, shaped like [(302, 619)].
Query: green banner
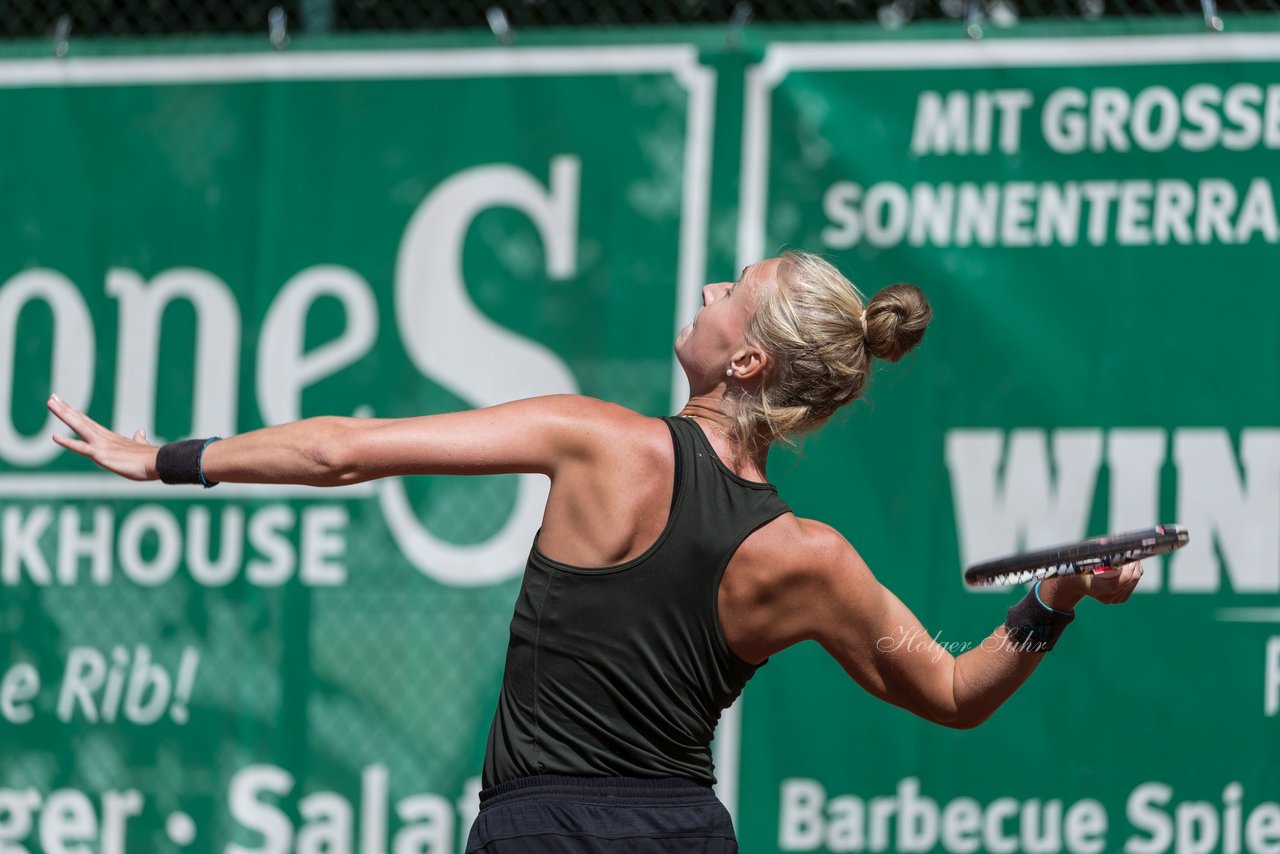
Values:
[(1095, 223), (207, 243), (215, 243)]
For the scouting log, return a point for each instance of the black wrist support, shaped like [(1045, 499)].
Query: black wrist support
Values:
[(179, 462), (1034, 626)]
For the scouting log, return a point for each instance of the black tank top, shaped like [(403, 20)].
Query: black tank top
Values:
[(624, 671)]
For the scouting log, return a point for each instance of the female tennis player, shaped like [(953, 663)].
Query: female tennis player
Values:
[(667, 569)]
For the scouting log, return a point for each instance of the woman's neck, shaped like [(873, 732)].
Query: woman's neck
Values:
[(720, 429)]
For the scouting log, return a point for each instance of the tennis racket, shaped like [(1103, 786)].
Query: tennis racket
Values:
[(1086, 556)]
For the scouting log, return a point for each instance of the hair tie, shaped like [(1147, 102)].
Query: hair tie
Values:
[(864, 323)]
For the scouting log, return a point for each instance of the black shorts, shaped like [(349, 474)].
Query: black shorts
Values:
[(585, 815)]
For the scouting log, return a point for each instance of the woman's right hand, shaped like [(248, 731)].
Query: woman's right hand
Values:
[(132, 458), (1111, 586)]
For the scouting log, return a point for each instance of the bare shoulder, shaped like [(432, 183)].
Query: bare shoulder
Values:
[(822, 572), (578, 419), (590, 409), (784, 583), (601, 427), (807, 548), (575, 407)]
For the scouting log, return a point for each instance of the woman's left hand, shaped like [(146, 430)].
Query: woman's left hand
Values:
[(132, 458)]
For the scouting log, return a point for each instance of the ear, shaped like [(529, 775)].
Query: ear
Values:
[(749, 365)]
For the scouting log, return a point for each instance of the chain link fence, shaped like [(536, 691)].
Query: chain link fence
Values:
[(97, 18)]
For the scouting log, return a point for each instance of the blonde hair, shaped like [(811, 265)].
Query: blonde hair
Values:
[(820, 339)]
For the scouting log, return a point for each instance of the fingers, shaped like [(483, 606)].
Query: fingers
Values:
[(111, 451), (84, 426), (1115, 585), (76, 445), (1128, 586)]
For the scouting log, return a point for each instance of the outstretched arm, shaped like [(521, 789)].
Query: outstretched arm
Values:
[(882, 645), (535, 435)]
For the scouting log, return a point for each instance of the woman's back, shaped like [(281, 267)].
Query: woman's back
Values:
[(610, 503), (623, 670)]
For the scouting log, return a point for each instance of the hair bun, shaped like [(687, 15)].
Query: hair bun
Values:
[(896, 319)]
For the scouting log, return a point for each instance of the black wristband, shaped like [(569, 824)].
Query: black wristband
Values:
[(1033, 626), (180, 462)]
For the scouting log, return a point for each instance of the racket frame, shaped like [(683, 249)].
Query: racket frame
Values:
[(1079, 558)]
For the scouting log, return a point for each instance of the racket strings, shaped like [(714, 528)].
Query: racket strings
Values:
[(1100, 563), (1026, 576)]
